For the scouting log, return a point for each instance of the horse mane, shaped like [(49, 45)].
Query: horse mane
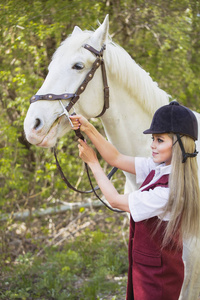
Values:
[(130, 75), (135, 79)]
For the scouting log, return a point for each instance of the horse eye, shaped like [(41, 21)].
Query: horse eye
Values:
[(78, 66)]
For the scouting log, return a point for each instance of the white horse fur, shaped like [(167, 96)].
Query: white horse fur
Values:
[(134, 97)]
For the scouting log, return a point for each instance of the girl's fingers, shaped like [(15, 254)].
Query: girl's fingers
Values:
[(81, 142), (75, 119), (80, 119), (76, 124)]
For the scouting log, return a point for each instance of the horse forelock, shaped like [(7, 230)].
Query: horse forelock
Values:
[(135, 79)]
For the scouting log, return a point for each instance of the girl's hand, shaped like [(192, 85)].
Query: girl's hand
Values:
[(80, 122), (86, 153)]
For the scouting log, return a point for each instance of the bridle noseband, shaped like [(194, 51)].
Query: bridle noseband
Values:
[(75, 97)]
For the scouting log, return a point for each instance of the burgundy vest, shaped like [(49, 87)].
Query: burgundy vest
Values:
[(154, 273)]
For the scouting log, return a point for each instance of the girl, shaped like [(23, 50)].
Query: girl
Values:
[(165, 209)]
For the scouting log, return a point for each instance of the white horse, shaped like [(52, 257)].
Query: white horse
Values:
[(134, 97)]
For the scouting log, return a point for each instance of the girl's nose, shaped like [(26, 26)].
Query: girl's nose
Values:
[(153, 145)]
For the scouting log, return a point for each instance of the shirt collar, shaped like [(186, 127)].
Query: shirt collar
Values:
[(162, 169)]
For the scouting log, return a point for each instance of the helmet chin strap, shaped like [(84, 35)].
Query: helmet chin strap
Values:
[(185, 155)]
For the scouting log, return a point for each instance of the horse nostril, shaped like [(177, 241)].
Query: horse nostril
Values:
[(37, 124)]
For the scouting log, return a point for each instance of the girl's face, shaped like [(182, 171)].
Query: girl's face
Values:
[(161, 148)]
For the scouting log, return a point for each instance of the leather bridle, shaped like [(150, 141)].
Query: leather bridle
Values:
[(73, 99)]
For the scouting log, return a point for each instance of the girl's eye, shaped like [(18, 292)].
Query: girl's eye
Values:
[(78, 66), (160, 140)]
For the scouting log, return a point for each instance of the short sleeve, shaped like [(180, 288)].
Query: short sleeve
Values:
[(148, 204)]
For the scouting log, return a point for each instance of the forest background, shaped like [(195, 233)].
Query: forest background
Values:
[(80, 253)]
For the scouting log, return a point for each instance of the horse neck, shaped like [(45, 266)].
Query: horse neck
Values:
[(124, 123), (134, 97), (126, 73)]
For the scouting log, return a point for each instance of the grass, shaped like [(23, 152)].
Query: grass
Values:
[(93, 266)]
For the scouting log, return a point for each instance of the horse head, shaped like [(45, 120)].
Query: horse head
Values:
[(70, 65)]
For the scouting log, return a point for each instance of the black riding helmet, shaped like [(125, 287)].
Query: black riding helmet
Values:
[(177, 119)]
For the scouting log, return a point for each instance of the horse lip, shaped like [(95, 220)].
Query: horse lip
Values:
[(53, 126)]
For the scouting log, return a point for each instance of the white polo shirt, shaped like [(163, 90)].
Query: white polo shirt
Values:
[(148, 204)]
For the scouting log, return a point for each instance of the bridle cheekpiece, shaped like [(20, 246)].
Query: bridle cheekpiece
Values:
[(75, 97)]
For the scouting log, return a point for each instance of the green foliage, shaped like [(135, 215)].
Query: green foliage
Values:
[(163, 37), (84, 269)]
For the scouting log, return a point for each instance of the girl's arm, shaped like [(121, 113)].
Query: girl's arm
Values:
[(116, 200), (106, 149)]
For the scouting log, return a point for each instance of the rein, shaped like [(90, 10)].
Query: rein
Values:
[(74, 98), (93, 190)]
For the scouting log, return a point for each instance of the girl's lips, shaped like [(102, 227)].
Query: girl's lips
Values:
[(154, 153)]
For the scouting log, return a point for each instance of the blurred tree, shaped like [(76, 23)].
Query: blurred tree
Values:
[(162, 36)]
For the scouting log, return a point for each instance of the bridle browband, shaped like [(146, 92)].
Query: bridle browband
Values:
[(74, 98)]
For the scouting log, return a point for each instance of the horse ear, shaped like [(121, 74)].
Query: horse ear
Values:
[(76, 30), (101, 34)]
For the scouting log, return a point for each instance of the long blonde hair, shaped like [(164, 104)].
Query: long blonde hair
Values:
[(184, 195)]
